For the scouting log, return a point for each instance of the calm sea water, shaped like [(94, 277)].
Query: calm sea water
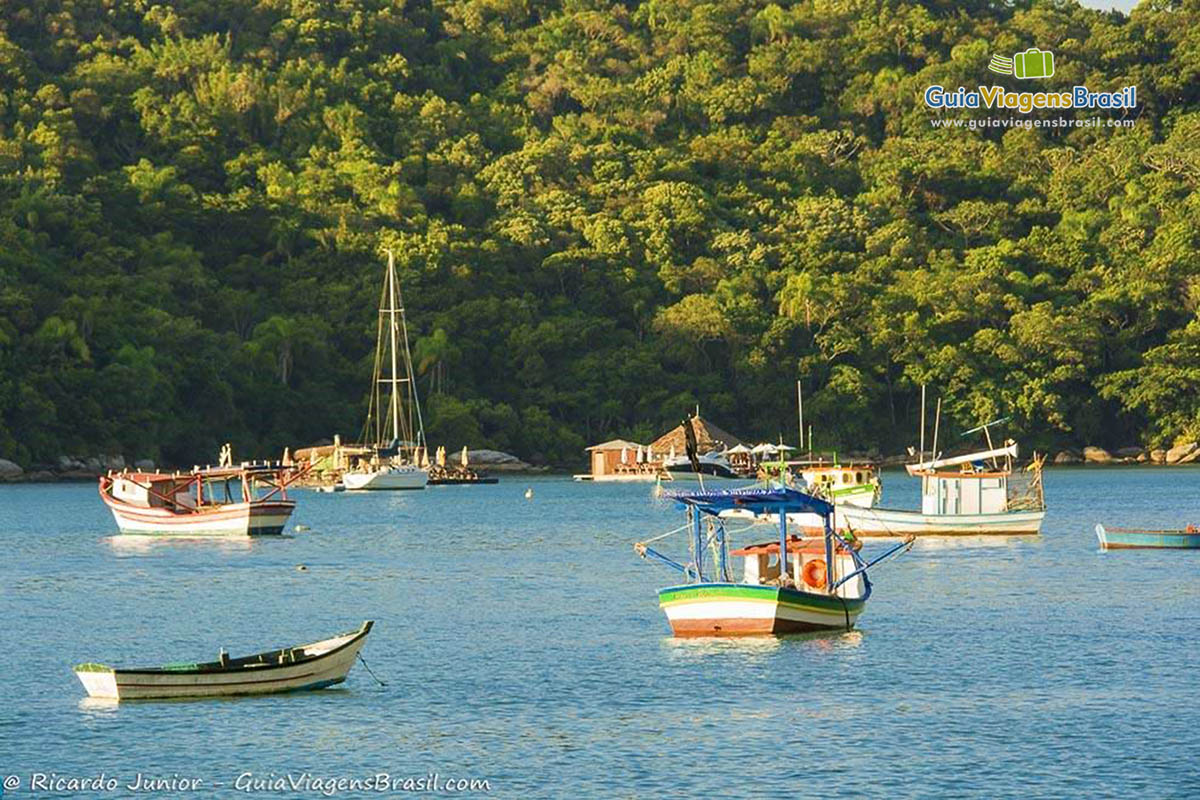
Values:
[(521, 643)]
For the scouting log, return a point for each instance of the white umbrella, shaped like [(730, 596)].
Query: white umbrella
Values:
[(672, 454), (640, 454), (649, 453), (464, 455), (740, 448), (783, 448), (441, 456), (624, 454)]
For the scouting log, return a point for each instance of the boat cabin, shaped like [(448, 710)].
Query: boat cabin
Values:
[(833, 477), (964, 493), (212, 486), (806, 566)]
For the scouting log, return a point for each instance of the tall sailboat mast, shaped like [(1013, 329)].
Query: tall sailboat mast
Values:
[(394, 380)]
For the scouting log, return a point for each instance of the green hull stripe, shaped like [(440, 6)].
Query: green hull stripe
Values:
[(729, 591)]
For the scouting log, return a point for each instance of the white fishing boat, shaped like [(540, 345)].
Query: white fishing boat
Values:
[(289, 669), (395, 431), (246, 500), (981, 496)]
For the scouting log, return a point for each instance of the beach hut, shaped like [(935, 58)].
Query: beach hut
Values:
[(612, 460)]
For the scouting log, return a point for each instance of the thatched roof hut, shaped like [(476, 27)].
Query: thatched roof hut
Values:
[(708, 437)]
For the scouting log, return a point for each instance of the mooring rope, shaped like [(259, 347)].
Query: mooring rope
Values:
[(370, 671), (683, 527)]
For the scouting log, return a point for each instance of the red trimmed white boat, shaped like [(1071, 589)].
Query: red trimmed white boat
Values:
[(246, 500), (289, 669)]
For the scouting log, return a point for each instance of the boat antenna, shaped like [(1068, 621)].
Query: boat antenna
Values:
[(937, 420), (987, 433), (800, 406), (921, 457)]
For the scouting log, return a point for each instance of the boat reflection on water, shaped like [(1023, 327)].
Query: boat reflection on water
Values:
[(133, 545), (701, 647), (98, 706), (970, 542)]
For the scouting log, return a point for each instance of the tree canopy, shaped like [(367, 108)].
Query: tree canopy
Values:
[(603, 213)]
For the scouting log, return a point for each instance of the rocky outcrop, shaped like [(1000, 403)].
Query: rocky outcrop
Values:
[(10, 471), (1067, 457), (1182, 454), (1130, 452), (1158, 456), (493, 460), (1096, 455)]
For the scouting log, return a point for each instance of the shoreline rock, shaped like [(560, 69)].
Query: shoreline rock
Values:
[(493, 461), (1182, 454)]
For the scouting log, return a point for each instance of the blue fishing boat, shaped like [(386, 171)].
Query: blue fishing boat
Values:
[(1135, 539), (793, 585)]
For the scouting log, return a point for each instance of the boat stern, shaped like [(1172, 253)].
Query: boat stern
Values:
[(98, 679)]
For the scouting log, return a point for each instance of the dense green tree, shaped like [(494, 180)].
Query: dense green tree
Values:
[(602, 215)]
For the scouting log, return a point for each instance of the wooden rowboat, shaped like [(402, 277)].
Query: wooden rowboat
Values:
[(288, 669), (1134, 539)]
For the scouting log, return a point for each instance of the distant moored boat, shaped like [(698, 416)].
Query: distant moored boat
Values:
[(1135, 539)]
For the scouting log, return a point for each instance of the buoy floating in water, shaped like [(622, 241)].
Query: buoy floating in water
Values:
[(301, 568), (529, 493), (301, 528)]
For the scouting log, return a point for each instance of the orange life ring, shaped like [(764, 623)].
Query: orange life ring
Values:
[(814, 573)]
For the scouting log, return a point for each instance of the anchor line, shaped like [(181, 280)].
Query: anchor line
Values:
[(370, 671)]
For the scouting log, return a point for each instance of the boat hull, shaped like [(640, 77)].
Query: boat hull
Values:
[(891, 522), (260, 518), (733, 609), (633, 477), (1125, 539), (386, 480), (314, 672)]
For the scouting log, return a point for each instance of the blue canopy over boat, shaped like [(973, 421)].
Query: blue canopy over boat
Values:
[(758, 501)]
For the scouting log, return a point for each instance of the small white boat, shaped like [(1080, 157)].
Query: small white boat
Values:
[(289, 669), (402, 476)]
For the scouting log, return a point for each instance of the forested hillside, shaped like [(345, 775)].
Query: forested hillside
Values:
[(604, 213)]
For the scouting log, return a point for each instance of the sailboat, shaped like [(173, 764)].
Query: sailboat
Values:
[(395, 432)]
